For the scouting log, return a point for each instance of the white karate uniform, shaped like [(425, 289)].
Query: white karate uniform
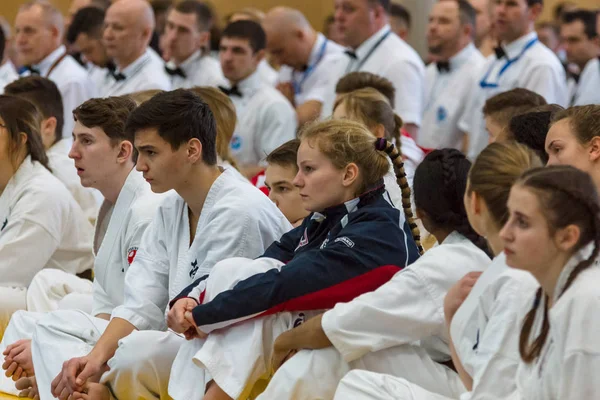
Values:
[(392, 58), (41, 226), (72, 80), (588, 88), (236, 220), (485, 331), (199, 70), (571, 354), (8, 74), (64, 169), (528, 64), (62, 335), (145, 73), (398, 329), (266, 120), (314, 84), (446, 96)]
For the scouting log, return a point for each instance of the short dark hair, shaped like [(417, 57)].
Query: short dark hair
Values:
[(178, 116), (504, 106), (532, 127), (246, 29), (203, 12), (587, 17), (559, 9), (88, 20), (531, 3), (44, 94), (399, 11), (110, 115), (360, 80), (467, 14), (285, 155)]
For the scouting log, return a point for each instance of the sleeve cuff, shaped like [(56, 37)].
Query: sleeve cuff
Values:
[(130, 316), (330, 327)]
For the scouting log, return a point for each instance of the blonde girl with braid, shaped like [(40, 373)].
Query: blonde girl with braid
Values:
[(484, 310), (352, 242), (398, 329), (369, 107)]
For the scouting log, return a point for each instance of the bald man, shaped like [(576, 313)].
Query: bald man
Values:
[(305, 56), (39, 30), (128, 28)]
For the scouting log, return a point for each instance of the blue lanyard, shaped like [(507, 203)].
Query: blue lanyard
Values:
[(484, 82), (309, 70), (369, 54)]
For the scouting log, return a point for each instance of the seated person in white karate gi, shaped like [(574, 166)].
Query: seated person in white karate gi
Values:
[(104, 159), (210, 215), (41, 225), (44, 94), (378, 330), (483, 311), (279, 179)]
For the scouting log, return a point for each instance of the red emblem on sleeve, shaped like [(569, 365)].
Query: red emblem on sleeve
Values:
[(131, 255)]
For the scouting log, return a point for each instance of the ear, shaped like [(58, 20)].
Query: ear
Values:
[(594, 148), (535, 11), (379, 131), (125, 152), (420, 213), (350, 175), (203, 39), (49, 127), (476, 203), (567, 238), (194, 151), (469, 30), (379, 12)]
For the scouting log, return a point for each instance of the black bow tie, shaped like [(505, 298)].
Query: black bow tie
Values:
[(111, 66), (117, 75), (351, 54), (443, 66), (234, 91), (32, 70), (175, 72), (499, 52)]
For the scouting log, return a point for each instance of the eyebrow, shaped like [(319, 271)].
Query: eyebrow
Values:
[(146, 147), (520, 214), (281, 183)]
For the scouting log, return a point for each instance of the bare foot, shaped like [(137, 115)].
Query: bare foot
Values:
[(17, 360), (93, 391), (28, 388)]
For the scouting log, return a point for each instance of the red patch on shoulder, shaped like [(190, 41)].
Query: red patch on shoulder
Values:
[(131, 255)]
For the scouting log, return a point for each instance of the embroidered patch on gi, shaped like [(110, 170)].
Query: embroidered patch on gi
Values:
[(442, 114), (324, 244), (131, 254), (299, 320), (303, 241), (236, 143), (4, 224), (345, 240), (194, 268)]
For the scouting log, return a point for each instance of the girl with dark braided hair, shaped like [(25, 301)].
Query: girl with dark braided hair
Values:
[(378, 330), (553, 232)]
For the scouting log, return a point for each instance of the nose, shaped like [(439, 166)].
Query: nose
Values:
[(298, 180), (141, 165), (505, 232), (73, 152), (273, 198)]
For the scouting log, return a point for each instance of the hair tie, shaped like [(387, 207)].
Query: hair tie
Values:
[(381, 144)]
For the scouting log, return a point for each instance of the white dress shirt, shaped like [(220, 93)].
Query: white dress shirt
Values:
[(267, 73), (145, 73), (313, 84), (266, 120), (446, 95), (588, 88), (72, 81), (8, 74), (386, 55), (528, 64), (197, 70)]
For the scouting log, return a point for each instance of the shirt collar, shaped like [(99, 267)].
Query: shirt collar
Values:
[(189, 62), (368, 44), (462, 57), (335, 213), (7, 69), (250, 85), (44, 65), (134, 66), (516, 47), (316, 49)]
